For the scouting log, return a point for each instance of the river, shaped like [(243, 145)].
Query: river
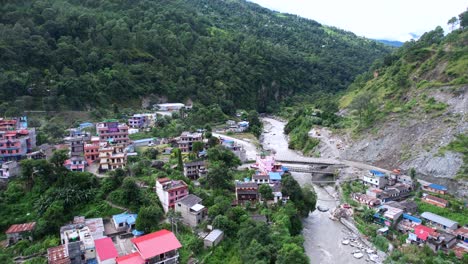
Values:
[(322, 236)]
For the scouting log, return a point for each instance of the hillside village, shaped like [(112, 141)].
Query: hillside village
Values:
[(394, 198)]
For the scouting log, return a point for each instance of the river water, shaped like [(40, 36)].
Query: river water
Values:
[(322, 235)]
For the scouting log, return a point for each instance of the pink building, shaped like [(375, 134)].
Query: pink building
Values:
[(186, 140), (112, 131), (15, 144), (268, 164), (170, 191)]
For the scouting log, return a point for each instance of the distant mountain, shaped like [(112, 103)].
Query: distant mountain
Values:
[(392, 43), (69, 54)]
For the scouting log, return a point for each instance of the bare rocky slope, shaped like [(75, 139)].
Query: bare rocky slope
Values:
[(415, 119)]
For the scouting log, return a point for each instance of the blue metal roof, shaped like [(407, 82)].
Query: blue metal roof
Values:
[(137, 233), (412, 218), (377, 173), (275, 176), (284, 168), (143, 140), (130, 219), (438, 187)]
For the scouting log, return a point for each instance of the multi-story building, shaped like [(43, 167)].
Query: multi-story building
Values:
[(237, 149), (91, 150), (267, 164), (170, 191), (246, 191), (15, 144), (160, 247), (186, 140), (195, 169), (142, 120), (112, 157), (113, 132), (79, 242), (375, 179), (191, 210), (76, 163)]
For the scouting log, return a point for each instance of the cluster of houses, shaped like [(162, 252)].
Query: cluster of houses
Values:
[(267, 171), (387, 194), (16, 142), (236, 127)]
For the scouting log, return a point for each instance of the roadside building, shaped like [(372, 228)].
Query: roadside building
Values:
[(407, 206), (186, 140), (435, 201), (388, 215), (138, 121), (435, 188), (79, 243), (422, 233), (19, 232), (405, 180), (9, 169), (195, 169), (439, 221), (160, 247), (170, 191), (213, 238), (76, 163), (35, 155), (16, 144), (246, 191), (191, 210), (105, 251), (260, 178), (113, 132), (237, 149), (443, 241), (375, 179), (266, 164)]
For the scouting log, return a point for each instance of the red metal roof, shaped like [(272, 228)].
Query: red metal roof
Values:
[(133, 258), (156, 243), (105, 249), (21, 228), (58, 255), (422, 232)]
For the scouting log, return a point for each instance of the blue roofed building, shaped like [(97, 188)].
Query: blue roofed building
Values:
[(274, 177), (375, 179), (124, 222), (412, 218), (435, 188)]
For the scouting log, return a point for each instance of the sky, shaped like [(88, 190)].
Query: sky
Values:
[(377, 19)]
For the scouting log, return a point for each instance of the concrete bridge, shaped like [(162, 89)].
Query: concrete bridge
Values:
[(307, 160), (310, 169)]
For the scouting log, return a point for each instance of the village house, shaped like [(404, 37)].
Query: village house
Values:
[(191, 210), (186, 140), (407, 206), (460, 249), (434, 201), (266, 164), (213, 238), (260, 178), (422, 233), (237, 149), (408, 223), (160, 247), (16, 144), (375, 179), (106, 253), (113, 132), (439, 221), (95, 225), (124, 222), (435, 188), (79, 242), (195, 169), (76, 164), (170, 107), (443, 241), (58, 255), (112, 157), (366, 199), (462, 234), (138, 121), (9, 169), (246, 191), (91, 150), (19, 232), (170, 191), (388, 215), (405, 180), (35, 155)]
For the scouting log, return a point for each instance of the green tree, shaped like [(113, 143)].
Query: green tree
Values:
[(365, 106), (368, 215), (221, 154), (266, 192), (197, 147), (59, 157), (149, 218), (291, 253), (180, 162), (219, 176), (453, 22), (131, 193), (412, 173)]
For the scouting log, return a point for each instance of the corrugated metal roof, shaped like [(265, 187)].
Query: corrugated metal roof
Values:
[(412, 218), (438, 219), (213, 235), (438, 187), (18, 228), (156, 243)]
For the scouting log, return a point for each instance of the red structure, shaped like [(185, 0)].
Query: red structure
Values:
[(423, 232)]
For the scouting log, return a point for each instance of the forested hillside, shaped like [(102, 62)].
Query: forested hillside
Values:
[(76, 55), (410, 109)]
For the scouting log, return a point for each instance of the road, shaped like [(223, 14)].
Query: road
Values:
[(250, 149)]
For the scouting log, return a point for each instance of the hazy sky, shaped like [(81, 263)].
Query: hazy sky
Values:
[(378, 19)]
